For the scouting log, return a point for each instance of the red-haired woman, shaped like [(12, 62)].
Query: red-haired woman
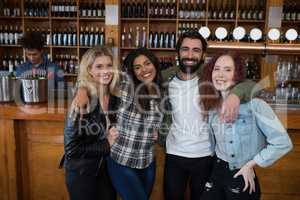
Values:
[(257, 137)]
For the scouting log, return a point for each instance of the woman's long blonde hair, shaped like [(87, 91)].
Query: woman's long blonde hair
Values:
[(85, 78)]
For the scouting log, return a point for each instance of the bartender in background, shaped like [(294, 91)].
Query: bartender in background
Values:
[(37, 64)]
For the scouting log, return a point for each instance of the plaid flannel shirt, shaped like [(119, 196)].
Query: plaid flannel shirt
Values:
[(134, 146)]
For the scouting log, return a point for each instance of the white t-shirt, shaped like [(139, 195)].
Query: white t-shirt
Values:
[(188, 135)]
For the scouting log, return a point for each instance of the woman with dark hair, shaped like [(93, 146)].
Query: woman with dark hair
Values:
[(257, 137), (131, 164)]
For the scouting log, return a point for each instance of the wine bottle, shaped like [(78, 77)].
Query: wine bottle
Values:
[(86, 36), (137, 37), (129, 36), (161, 39), (151, 39), (181, 9), (155, 41), (144, 36), (102, 36), (173, 9), (123, 37)]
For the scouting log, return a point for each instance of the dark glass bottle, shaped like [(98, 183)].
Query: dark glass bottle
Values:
[(150, 39), (173, 10), (128, 12), (139, 10), (123, 8), (144, 10), (156, 9), (261, 14)]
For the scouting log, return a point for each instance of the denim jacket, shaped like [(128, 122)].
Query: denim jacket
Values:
[(256, 134)]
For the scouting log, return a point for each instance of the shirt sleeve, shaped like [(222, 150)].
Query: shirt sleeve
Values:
[(126, 89), (278, 143), (246, 90)]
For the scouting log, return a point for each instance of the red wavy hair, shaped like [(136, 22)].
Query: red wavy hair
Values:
[(210, 98)]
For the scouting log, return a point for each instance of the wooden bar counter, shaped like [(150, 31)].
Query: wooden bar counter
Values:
[(31, 146)]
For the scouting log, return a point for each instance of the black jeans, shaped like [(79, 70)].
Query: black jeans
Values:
[(89, 186), (180, 170), (222, 185)]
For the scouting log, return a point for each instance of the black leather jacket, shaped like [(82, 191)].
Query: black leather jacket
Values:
[(85, 140)]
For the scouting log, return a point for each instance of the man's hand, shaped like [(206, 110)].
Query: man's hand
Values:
[(80, 103), (112, 135), (230, 109), (248, 175)]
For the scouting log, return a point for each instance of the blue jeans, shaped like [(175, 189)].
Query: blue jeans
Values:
[(131, 183)]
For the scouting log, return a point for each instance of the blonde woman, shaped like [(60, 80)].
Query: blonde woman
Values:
[(86, 140)]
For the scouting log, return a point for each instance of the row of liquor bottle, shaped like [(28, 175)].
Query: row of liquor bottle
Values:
[(156, 39), (11, 62), (9, 35), (59, 8), (10, 12), (133, 9), (67, 62), (291, 11), (88, 36), (37, 8), (192, 9)]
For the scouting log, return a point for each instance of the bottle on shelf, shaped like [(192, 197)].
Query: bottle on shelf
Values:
[(156, 9), (298, 11), (137, 37), (102, 37), (150, 41), (130, 37), (144, 36), (102, 7), (10, 35), (83, 9), (123, 38), (86, 36), (81, 36), (261, 14), (8, 11), (173, 10)]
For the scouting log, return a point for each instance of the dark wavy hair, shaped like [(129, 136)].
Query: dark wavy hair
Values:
[(191, 35), (128, 67), (32, 40), (210, 98)]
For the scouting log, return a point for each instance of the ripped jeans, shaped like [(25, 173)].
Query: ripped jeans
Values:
[(222, 185)]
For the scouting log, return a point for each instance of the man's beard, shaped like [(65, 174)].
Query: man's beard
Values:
[(189, 69)]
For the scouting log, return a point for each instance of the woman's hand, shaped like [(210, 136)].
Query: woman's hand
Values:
[(80, 103), (248, 174), (112, 135)]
